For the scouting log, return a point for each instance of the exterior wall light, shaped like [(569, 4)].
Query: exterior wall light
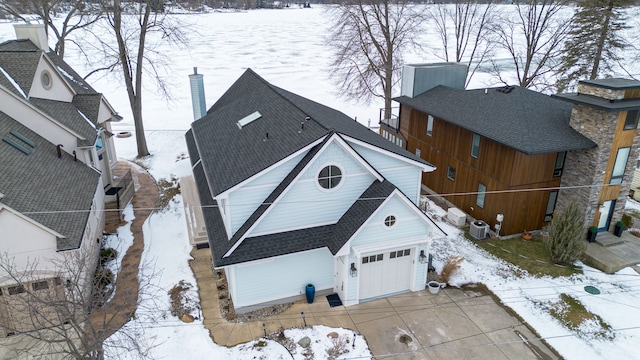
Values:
[(354, 271), (422, 257)]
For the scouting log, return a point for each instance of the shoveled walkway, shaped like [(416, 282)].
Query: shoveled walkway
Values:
[(118, 311), (453, 324)]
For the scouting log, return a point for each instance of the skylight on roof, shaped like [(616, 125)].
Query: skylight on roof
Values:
[(20, 145), (248, 119)]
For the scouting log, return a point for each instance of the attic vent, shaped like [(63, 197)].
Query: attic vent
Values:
[(506, 89), (248, 119), (19, 145)]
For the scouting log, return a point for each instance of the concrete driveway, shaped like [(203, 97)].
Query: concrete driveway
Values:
[(453, 324)]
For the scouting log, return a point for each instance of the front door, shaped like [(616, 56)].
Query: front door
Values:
[(606, 211)]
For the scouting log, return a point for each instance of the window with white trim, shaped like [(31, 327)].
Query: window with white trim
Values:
[(330, 177), (389, 221), (429, 125)]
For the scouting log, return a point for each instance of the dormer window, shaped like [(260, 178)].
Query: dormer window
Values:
[(45, 79)]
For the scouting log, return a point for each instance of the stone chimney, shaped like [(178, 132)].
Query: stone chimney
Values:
[(197, 94), (605, 111), (34, 32)]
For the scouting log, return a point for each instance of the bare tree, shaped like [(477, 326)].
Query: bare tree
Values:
[(79, 15), (61, 314), (369, 37), (533, 36), (463, 28), (134, 32)]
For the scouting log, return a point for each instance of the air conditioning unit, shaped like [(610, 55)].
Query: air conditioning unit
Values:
[(456, 216), (479, 230)]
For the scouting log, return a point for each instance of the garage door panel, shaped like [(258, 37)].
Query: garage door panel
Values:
[(385, 273)]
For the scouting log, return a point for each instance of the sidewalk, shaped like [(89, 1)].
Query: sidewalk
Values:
[(453, 324), (117, 312)]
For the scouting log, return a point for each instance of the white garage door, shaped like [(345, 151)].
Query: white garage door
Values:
[(385, 273)]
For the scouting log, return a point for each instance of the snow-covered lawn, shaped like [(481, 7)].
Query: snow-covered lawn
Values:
[(530, 297), (287, 48)]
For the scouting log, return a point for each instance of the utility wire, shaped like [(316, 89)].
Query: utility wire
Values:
[(328, 200)]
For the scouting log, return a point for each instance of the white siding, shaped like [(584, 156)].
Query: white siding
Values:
[(402, 174), (58, 91), (38, 123), (245, 200), (281, 277), (25, 243), (408, 225), (306, 204)]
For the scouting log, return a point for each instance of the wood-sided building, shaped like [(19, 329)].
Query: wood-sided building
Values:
[(505, 150)]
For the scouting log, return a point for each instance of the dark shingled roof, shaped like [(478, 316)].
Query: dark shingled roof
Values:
[(58, 193), (223, 155), (525, 120), (67, 114), (20, 58), (277, 134), (89, 104), (76, 81), (332, 236)]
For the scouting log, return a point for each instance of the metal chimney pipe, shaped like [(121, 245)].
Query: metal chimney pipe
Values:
[(58, 150), (197, 94)]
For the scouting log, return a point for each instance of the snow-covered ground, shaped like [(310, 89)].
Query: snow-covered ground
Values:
[(287, 48)]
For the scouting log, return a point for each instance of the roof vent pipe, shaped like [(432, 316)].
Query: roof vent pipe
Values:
[(197, 94), (58, 150), (75, 156)]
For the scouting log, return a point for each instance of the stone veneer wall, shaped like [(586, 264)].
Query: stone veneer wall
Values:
[(605, 93), (588, 167)]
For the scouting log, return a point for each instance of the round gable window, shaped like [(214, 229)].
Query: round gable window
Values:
[(389, 221), (330, 177), (45, 78)]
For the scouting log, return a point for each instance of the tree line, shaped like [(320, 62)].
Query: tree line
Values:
[(549, 44)]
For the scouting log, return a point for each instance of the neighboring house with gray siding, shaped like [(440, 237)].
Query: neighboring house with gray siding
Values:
[(296, 193)]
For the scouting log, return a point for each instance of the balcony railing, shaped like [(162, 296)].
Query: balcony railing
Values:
[(389, 119)]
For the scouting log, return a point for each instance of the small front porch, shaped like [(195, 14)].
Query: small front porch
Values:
[(610, 253)]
